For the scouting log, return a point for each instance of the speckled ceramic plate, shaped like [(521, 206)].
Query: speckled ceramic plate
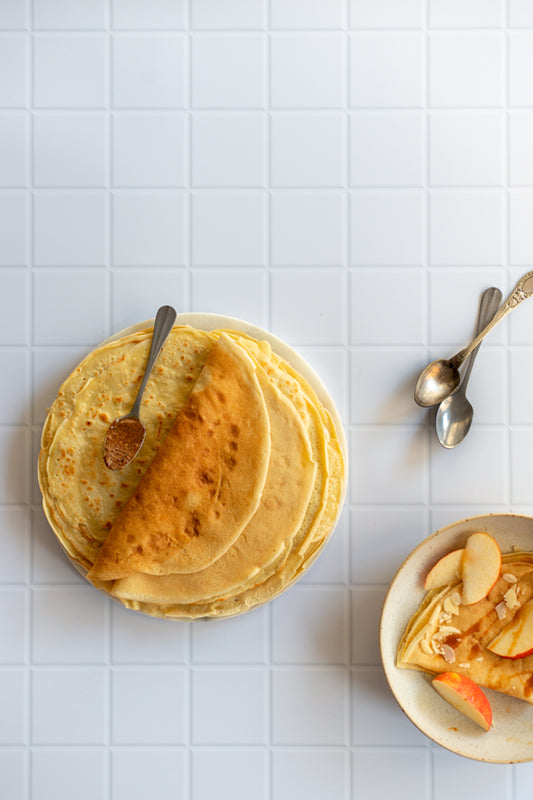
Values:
[(510, 739)]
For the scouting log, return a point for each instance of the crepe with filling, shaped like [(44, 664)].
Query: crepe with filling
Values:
[(436, 640), (205, 482)]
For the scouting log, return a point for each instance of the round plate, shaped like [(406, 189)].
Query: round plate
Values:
[(510, 740)]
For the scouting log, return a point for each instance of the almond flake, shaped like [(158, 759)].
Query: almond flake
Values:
[(448, 653), (450, 606), (466, 665), (456, 599), (445, 616), (446, 630), (510, 598), (501, 609), (509, 578), (426, 647)]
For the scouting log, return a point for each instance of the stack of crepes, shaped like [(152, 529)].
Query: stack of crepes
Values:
[(441, 636), (236, 488)]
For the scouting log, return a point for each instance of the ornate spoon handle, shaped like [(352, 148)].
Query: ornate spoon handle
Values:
[(522, 290)]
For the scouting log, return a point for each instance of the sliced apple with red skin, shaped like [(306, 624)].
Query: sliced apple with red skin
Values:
[(465, 696), (516, 639), (482, 560), (447, 570)]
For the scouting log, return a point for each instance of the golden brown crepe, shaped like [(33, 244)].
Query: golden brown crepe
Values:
[(238, 565), (205, 482), (442, 635)]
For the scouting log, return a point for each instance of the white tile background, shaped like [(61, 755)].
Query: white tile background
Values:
[(350, 174)]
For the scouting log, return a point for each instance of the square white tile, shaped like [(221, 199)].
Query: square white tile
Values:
[(14, 62), (242, 640), (58, 14), (139, 639), (466, 69), (149, 149), (14, 307), (366, 605), (521, 440), (147, 14), (14, 700), (375, 294), (14, 206), (56, 773), (13, 772), (293, 14), (68, 706), (296, 239), (14, 543), (376, 719), (138, 293), (400, 213), (520, 13), (467, 228), (158, 715), (322, 611), (149, 228), (228, 228), (14, 625), (83, 320), (384, 464), (307, 149), (227, 70), (382, 385), (386, 13), (228, 705), (69, 228), (520, 155), (148, 70), (13, 149), (386, 70), (58, 139), (520, 244), (246, 771), (14, 365), (57, 636), (467, 148), (69, 71), (233, 15), (15, 449), (392, 531), (228, 149), (387, 148), (521, 382), (321, 317), (234, 292), (137, 772), (407, 774), (464, 771), (296, 721), (316, 773), (520, 65), (307, 70), (466, 13), (13, 15)]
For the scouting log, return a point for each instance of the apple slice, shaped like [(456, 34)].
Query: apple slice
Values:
[(466, 696), (516, 639), (482, 561), (447, 570)]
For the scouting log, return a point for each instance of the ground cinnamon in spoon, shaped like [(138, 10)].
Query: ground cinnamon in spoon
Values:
[(123, 441)]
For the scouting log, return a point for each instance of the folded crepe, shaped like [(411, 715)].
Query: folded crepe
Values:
[(443, 635), (205, 482)]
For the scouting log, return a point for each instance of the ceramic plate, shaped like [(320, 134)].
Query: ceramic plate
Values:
[(510, 739)]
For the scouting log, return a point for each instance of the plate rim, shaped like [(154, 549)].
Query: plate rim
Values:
[(480, 753)]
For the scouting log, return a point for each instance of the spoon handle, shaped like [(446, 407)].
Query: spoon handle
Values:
[(164, 321), (522, 290), (488, 305)]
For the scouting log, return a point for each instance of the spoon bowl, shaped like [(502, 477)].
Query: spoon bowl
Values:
[(125, 435)]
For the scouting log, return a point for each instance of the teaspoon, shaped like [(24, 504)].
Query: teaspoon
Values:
[(455, 413), (440, 378), (126, 434)]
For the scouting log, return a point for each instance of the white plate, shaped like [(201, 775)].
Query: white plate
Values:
[(510, 739)]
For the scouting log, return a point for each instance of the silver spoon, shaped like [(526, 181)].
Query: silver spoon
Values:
[(125, 435), (440, 378), (455, 413)]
